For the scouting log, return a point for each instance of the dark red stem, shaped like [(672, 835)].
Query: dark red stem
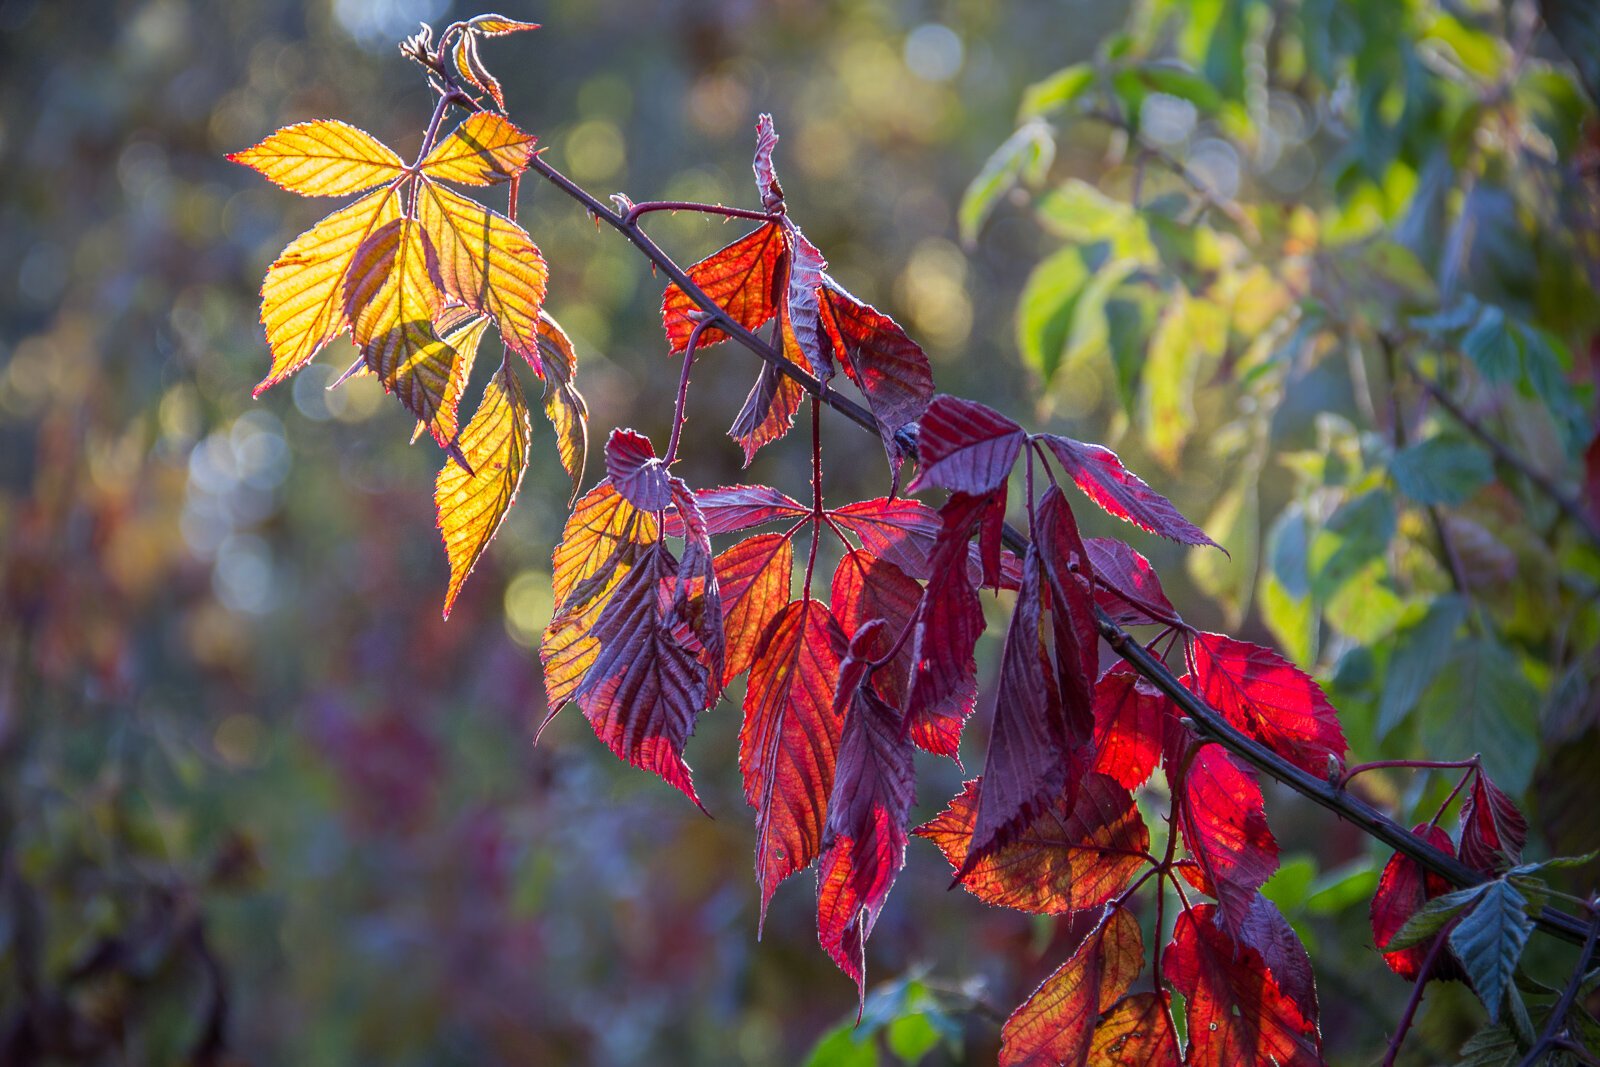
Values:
[(1413, 764), (1410, 1014), (681, 406), (688, 205), (817, 514)]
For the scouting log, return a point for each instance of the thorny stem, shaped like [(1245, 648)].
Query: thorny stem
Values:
[(688, 205), (816, 491), (1415, 764), (1555, 1028), (1445, 806), (1208, 721), (679, 408), (1410, 1014)]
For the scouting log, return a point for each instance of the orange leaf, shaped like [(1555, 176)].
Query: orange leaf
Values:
[(753, 577), (484, 150), (488, 262), (1136, 1032), (564, 406), (302, 298), (742, 278), (472, 505), (498, 25), (323, 158), (1061, 861), (768, 411), (392, 301), (790, 739), (1056, 1024), (471, 67)]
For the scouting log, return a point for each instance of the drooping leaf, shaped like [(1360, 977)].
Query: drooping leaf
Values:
[(1103, 478), (322, 158), (890, 368), (488, 263), (1269, 933), (1065, 859), (696, 597), (472, 69), (804, 341), (471, 506), (753, 577), (790, 738), (1270, 699), (1489, 940), (944, 681), (902, 531), (867, 587), (1224, 822), (768, 412), (1493, 831), (1129, 718), (484, 150), (1238, 1013), (391, 301), (635, 470), (1137, 1032), (1404, 887), (864, 842), (1126, 586), (1055, 1025), (564, 406), (766, 177), (302, 298), (1069, 577), (732, 508), (1027, 765), (743, 279), (965, 447)]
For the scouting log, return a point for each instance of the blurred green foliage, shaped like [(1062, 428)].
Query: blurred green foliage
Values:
[(258, 805)]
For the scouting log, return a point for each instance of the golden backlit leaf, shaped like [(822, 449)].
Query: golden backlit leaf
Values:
[(472, 505), (498, 25), (564, 406), (323, 158), (488, 262), (391, 301), (470, 67), (484, 150), (302, 298)]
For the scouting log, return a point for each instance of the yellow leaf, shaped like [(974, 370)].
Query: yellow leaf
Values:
[(391, 301), (487, 262), (463, 330), (496, 25), (323, 158), (471, 68), (563, 404), (599, 546), (472, 505), (302, 299), (483, 150)]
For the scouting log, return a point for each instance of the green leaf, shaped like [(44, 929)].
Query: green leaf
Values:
[(1056, 91), (1419, 654), (1489, 942), (1046, 308), (912, 1037), (1078, 212), (1355, 535), (1445, 469), (1432, 917), (1483, 702), (1340, 890), (1493, 1046), (1024, 156), (844, 1046), (1492, 346), (1184, 84), (1191, 331), (1555, 863)]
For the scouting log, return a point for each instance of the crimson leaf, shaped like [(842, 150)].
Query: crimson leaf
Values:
[(1270, 699), (1103, 478), (1493, 831), (965, 447), (634, 470)]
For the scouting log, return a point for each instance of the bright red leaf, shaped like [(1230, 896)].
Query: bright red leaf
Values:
[(901, 531), (866, 587), (1103, 478), (753, 577), (1403, 889), (1493, 831), (944, 673), (1270, 699), (743, 278), (1224, 824), (1129, 717)]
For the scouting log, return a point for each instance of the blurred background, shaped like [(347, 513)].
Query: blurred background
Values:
[(258, 803)]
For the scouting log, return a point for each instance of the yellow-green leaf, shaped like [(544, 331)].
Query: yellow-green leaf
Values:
[(487, 262), (302, 298), (564, 406), (484, 150), (323, 158), (472, 504), (391, 301)]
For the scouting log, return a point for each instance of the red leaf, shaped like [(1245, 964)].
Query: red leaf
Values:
[(944, 673), (1403, 889), (864, 842), (1269, 933), (766, 177), (768, 411), (889, 368), (645, 687), (1238, 1013), (1129, 719), (1270, 699), (965, 447), (1493, 831), (634, 470), (1224, 823), (1026, 768), (1136, 1032), (865, 588), (1127, 588), (732, 508), (753, 577), (1077, 634), (1056, 1024), (1101, 475), (804, 342), (790, 739), (901, 531), (742, 278), (1064, 860)]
